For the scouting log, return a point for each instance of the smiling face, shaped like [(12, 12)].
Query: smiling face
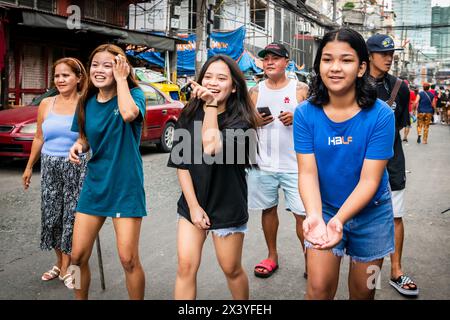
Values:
[(339, 67), (380, 62), (218, 80), (101, 70), (65, 79), (274, 65)]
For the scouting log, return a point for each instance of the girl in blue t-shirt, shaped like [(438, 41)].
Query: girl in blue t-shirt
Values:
[(344, 137), (109, 120)]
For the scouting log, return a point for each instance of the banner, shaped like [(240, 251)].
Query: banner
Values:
[(229, 43)]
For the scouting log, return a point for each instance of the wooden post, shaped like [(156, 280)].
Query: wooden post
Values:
[(100, 263)]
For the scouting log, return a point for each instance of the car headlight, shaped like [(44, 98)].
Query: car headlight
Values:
[(29, 128)]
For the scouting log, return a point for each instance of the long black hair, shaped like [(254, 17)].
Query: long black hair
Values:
[(366, 92), (239, 106)]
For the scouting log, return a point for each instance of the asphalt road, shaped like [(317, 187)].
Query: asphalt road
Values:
[(426, 255)]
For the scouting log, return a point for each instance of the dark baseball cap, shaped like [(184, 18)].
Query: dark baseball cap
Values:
[(381, 43), (275, 48)]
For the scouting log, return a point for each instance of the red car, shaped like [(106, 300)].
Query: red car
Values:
[(18, 126)]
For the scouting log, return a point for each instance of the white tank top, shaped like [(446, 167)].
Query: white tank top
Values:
[(276, 142)]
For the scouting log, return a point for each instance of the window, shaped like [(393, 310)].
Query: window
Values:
[(44, 5), (152, 97), (96, 9), (277, 25), (258, 9)]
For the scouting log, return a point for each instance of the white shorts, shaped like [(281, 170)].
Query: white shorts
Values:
[(398, 203), (263, 187)]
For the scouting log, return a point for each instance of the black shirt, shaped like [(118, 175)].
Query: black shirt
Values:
[(396, 165), (221, 189)]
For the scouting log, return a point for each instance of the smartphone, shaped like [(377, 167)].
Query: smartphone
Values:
[(265, 110)]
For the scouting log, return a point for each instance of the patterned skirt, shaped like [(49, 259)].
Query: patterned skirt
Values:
[(61, 183)]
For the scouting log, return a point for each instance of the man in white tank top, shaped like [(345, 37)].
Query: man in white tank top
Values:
[(276, 159)]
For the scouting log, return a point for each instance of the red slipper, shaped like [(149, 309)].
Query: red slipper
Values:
[(267, 264)]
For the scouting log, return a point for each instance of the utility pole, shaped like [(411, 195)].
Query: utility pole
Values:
[(334, 10), (200, 48), (174, 24), (401, 62)]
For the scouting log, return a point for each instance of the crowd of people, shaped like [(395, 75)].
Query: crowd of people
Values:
[(334, 149)]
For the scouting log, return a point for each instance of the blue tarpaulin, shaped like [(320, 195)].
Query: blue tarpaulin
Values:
[(230, 43), (247, 63)]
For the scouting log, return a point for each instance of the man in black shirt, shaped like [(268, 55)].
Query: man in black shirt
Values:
[(396, 93)]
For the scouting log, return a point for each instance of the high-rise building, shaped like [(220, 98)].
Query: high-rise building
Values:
[(440, 36), (412, 13)]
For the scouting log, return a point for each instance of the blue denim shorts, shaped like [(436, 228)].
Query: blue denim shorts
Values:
[(224, 231), (369, 235), (263, 188)]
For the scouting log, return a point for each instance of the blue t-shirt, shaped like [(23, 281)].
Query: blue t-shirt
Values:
[(114, 185), (340, 148)]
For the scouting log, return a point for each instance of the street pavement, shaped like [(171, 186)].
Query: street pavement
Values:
[(426, 254)]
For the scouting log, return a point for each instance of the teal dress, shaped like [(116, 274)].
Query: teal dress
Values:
[(114, 185)]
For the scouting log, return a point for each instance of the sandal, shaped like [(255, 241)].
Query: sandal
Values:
[(267, 264), (68, 281), (51, 274), (405, 285)]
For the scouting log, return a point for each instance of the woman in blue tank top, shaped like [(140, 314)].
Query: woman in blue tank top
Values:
[(61, 180), (109, 122)]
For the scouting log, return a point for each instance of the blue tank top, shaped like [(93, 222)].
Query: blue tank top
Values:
[(426, 98), (58, 138)]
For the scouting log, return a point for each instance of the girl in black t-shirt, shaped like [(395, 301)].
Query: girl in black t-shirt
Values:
[(216, 128)]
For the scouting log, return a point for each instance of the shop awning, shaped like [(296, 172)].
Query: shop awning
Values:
[(43, 20)]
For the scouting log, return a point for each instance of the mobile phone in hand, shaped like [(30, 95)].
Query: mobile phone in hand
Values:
[(265, 110)]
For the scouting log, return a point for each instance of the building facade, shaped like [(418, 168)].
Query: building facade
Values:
[(290, 22)]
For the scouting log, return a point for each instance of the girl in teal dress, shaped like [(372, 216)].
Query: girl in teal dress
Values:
[(109, 121)]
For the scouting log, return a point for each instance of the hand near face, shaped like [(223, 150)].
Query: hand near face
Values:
[(121, 69), (202, 93)]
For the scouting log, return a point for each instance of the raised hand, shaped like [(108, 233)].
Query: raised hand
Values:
[(203, 93), (121, 69)]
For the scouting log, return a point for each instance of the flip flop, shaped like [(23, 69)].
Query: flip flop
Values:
[(51, 274), (403, 285), (268, 264)]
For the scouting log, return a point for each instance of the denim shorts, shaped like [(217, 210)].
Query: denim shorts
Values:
[(369, 235), (263, 187), (224, 231)]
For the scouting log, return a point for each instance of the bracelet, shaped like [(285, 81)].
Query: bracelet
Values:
[(211, 105)]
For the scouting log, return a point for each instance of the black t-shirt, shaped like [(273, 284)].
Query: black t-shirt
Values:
[(220, 188), (396, 165)]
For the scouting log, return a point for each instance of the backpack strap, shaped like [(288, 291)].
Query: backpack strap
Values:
[(394, 93)]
